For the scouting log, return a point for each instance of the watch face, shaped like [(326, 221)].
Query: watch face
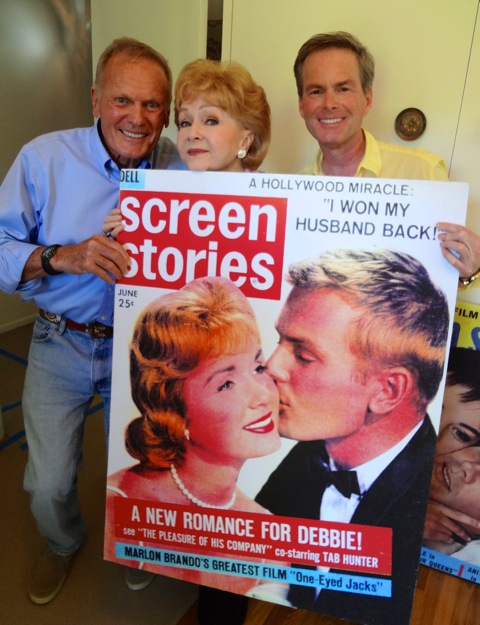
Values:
[(45, 257), (48, 252), (410, 124)]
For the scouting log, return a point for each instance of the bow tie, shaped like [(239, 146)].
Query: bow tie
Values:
[(346, 482)]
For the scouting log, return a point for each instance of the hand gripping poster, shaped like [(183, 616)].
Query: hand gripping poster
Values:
[(278, 375), (452, 530)]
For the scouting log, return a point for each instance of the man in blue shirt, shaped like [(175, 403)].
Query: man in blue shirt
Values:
[(52, 204)]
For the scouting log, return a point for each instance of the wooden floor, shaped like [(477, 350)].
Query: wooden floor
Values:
[(440, 600)]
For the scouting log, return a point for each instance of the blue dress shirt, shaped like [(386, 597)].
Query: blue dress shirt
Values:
[(59, 190)]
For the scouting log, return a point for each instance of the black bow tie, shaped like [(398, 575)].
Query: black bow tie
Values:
[(346, 482)]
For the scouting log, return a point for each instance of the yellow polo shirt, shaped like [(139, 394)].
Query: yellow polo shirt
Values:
[(387, 160)]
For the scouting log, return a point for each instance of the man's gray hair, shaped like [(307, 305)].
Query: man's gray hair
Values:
[(134, 50)]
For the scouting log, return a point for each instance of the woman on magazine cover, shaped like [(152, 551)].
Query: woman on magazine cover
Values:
[(206, 404)]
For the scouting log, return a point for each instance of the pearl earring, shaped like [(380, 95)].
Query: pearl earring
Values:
[(242, 153)]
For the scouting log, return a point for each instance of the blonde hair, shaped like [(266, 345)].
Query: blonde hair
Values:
[(403, 317), (208, 317), (231, 87)]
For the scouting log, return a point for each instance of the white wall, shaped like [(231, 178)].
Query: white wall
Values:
[(466, 155), (421, 51)]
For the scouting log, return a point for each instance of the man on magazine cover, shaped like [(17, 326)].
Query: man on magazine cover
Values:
[(456, 484), (446, 525), (362, 340)]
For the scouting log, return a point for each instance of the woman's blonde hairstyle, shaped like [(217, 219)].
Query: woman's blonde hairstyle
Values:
[(207, 318), (231, 87)]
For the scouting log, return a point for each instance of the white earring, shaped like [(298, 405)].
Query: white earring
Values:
[(242, 153), (187, 434)]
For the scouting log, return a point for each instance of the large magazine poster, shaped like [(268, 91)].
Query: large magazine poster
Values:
[(452, 531), (273, 435)]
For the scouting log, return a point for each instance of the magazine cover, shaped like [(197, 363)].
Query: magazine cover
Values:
[(452, 529), (278, 373)]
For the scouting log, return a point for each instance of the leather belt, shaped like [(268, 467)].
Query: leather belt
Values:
[(96, 330)]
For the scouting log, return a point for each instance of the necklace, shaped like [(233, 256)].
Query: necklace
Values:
[(194, 499)]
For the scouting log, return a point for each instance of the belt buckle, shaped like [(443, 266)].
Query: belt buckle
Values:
[(53, 318)]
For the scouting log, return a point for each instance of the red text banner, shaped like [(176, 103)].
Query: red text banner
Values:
[(174, 238), (342, 546)]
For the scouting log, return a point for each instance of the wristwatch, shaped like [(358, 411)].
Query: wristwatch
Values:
[(46, 256)]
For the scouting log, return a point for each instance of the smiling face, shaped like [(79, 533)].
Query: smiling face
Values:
[(333, 103), (322, 394), (232, 407), (209, 138), (460, 424), (131, 106), (456, 481)]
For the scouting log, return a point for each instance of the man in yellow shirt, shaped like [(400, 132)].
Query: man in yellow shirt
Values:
[(334, 73), (388, 160)]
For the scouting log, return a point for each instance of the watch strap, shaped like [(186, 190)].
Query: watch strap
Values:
[(45, 258)]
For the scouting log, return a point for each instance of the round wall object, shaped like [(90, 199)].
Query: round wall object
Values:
[(410, 124)]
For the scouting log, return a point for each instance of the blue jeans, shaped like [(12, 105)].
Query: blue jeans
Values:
[(65, 370)]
